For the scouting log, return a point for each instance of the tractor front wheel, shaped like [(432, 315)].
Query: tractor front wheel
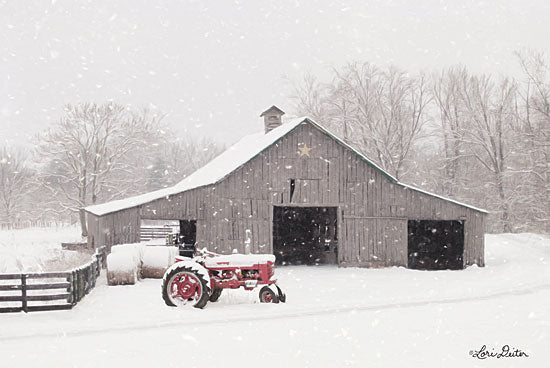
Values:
[(268, 296), (185, 286)]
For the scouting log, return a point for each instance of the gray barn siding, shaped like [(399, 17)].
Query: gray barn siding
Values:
[(373, 211), (93, 230), (114, 228)]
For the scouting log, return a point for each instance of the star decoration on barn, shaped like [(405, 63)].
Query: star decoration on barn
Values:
[(304, 150)]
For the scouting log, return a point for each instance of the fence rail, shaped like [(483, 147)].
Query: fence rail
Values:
[(28, 224), (70, 286)]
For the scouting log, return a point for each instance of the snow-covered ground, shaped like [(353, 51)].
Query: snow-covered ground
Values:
[(333, 318), (39, 249)]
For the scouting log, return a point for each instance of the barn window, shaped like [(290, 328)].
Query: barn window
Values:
[(292, 187)]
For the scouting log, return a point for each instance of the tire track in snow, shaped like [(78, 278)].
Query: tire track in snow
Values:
[(274, 317)]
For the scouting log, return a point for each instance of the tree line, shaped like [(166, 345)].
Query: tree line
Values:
[(92, 154), (476, 138), (479, 139)]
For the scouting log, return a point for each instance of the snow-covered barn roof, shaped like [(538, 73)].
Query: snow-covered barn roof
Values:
[(236, 156)]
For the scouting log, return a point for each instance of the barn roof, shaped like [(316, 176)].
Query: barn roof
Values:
[(236, 156)]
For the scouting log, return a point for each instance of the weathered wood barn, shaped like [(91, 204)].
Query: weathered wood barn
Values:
[(300, 192)]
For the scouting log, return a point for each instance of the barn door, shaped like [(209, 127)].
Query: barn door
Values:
[(305, 235), (435, 245)]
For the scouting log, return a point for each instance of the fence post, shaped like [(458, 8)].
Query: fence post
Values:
[(97, 267), (93, 272), (85, 280), (88, 278), (24, 292), (77, 271), (75, 287), (71, 295), (80, 284)]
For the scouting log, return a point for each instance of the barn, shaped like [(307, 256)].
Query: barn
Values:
[(298, 191)]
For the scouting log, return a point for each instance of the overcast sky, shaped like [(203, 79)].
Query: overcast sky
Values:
[(215, 66)]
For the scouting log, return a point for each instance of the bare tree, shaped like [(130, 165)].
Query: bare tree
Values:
[(89, 148), (447, 92), (310, 98), (534, 113), (381, 112), (188, 154), (490, 142), (176, 159), (388, 112), (491, 119), (15, 182)]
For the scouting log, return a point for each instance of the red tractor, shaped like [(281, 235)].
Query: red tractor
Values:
[(195, 281)]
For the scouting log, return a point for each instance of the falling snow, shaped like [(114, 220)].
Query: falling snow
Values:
[(104, 101)]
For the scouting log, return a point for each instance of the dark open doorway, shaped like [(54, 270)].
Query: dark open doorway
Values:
[(305, 235), (187, 237), (436, 245)]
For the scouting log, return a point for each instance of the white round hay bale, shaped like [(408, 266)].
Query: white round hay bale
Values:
[(132, 249), (121, 269), (156, 260), (135, 251)]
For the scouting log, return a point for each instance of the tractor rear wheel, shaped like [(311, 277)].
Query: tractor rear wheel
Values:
[(215, 295), (183, 286), (268, 296)]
